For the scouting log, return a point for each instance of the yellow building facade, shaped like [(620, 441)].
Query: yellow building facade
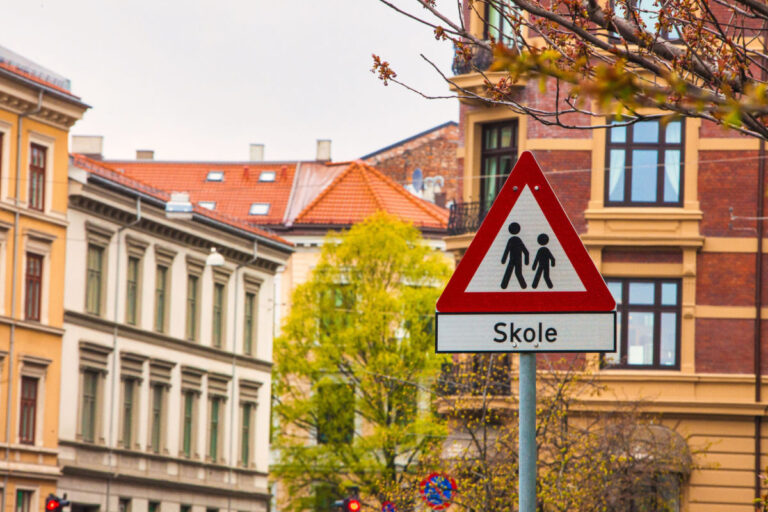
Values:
[(702, 240), (36, 112)]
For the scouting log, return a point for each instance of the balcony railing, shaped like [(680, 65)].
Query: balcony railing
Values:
[(465, 217), (481, 60), (472, 378)]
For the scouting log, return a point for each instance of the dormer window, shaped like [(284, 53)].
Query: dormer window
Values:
[(215, 176), (259, 209), (267, 176), (210, 205)]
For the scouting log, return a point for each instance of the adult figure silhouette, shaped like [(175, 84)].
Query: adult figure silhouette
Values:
[(513, 256), (542, 261)]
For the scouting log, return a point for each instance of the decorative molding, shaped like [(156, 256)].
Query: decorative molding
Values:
[(132, 365), (160, 371), (94, 356), (249, 391), (192, 379), (217, 384), (97, 234), (161, 340), (164, 255)]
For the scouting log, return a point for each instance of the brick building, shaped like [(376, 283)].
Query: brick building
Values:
[(670, 215), (433, 153)]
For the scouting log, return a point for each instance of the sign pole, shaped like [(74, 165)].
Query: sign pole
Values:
[(527, 417)]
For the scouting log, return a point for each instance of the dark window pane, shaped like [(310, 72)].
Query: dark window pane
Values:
[(506, 137), (641, 292), (616, 174), (127, 414), (645, 165), (646, 132), (28, 410), (615, 288), (672, 175), (674, 132), (668, 294), (618, 134), (668, 346), (640, 338)]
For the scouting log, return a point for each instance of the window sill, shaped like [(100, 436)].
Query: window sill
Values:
[(644, 213), (51, 217)]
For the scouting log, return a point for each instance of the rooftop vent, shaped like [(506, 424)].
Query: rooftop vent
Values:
[(145, 154), (179, 207), (209, 205), (259, 209), (215, 176)]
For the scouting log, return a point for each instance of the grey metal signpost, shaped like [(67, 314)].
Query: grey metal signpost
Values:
[(527, 417), (556, 302)]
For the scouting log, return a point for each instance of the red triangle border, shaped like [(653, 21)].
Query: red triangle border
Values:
[(595, 297)]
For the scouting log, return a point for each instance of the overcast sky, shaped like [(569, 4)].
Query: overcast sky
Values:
[(201, 80)]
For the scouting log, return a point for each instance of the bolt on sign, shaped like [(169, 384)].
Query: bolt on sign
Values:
[(526, 282)]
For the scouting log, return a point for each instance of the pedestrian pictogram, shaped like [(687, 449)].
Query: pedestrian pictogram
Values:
[(526, 281), (526, 256)]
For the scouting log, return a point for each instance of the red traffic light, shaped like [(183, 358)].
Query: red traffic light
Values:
[(353, 506), (52, 504)]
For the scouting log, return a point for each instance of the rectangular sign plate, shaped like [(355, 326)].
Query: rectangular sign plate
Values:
[(526, 332)]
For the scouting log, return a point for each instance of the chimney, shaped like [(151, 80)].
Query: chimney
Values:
[(91, 146), (323, 150), (257, 152), (145, 154)]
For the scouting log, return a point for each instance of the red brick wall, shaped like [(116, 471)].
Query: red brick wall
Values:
[(724, 345), (434, 153), (725, 279), (641, 256), (727, 179), (569, 174)]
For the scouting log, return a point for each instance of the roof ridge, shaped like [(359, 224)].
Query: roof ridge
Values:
[(401, 190), (322, 194), (367, 180)]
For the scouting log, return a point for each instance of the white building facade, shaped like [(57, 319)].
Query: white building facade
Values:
[(165, 389)]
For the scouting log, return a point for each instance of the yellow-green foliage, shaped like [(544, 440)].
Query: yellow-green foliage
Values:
[(363, 326)]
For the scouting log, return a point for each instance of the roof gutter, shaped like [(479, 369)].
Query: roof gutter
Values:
[(49, 91), (263, 240), (149, 199)]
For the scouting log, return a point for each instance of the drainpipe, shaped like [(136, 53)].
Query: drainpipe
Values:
[(759, 306), (14, 279), (113, 384), (759, 293), (234, 371)]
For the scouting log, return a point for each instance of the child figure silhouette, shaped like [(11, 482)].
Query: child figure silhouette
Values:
[(542, 261), (513, 257)]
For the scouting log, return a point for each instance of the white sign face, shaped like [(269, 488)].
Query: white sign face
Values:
[(526, 332), (525, 256)]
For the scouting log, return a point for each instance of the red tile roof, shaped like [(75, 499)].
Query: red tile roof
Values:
[(360, 191), (16, 71), (233, 196), (113, 174)]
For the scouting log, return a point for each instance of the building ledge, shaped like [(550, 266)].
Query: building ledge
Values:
[(469, 84)]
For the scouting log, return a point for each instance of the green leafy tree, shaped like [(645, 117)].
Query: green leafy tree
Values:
[(354, 365)]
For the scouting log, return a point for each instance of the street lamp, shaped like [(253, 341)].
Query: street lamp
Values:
[(214, 259)]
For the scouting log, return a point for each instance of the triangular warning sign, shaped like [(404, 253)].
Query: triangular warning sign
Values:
[(526, 256)]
